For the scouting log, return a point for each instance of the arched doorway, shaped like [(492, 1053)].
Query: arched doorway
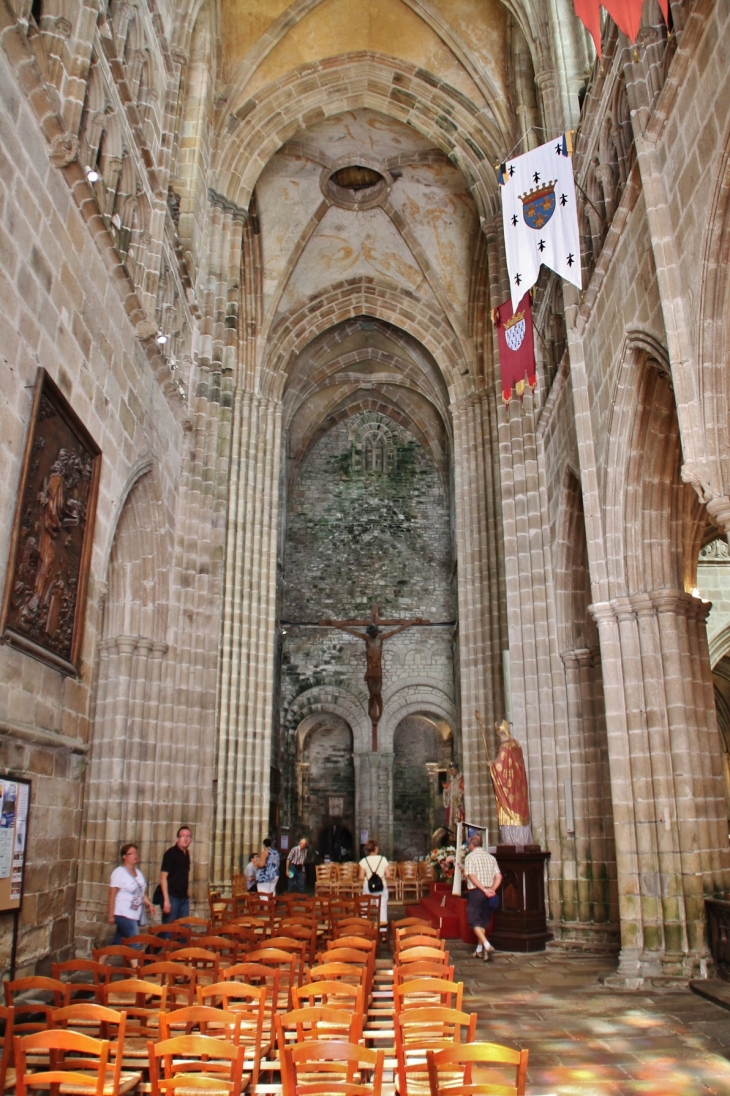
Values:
[(326, 800), (422, 751)]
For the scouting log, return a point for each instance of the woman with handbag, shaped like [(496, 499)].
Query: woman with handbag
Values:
[(129, 906), (374, 873)]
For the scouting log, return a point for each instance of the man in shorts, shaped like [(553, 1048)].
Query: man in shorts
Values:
[(483, 879)]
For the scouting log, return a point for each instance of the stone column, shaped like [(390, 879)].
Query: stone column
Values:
[(479, 551), (666, 779), (249, 634)]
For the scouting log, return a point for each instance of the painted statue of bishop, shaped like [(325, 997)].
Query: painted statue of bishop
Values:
[(509, 778)]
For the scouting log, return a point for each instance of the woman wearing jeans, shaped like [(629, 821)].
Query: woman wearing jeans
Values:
[(127, 895)]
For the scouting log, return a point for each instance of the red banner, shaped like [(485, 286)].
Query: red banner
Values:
[(626, 14), (516, 347)]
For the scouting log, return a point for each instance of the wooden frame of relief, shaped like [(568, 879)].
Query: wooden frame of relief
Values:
[(44, 605)]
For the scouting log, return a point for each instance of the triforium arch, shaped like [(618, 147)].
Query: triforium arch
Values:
[(664, 751)]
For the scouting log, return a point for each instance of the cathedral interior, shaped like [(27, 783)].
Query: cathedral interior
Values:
[(250, 396)]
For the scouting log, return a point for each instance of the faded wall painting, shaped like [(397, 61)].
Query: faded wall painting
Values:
[(50, 550)]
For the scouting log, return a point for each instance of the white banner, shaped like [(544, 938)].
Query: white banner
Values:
[(540, 217)]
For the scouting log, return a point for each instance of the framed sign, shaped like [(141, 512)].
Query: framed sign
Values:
[(336, 806), (50, 549), (14, 810)]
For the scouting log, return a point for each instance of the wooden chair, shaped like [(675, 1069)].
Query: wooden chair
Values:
[(88, 1018), (342, 907), (419, 929), (175, 933), (263, 977), (368, 906), (84, 978), (195, 926), (402, 947), (348, 883), (286, 962), (229, 949), (341, 972), (408, 881), (330, 994), (143, 1002), (205, 962), (425, 876), (429, 953), (196, 1063), (355, 926), (310, 1068), (199, 1019), (300, 928), (79, 1065), (123, 961), (248, 1004), (222, 911), (325, 879), (420, 1029), (39, 996), (352, 957), (7, 1072), (239, 884), (422, 969), (179, 979), (317, 1022), (425, 992), (490, 1061), (241, 934), (407, 922)]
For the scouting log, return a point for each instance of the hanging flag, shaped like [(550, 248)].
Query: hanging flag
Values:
[(626, 14), (540, 216), (516, 346)]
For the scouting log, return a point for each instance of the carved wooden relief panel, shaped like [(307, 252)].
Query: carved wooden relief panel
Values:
[(50, 549)]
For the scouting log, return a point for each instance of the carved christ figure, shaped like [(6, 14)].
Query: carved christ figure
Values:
[(374, 639)]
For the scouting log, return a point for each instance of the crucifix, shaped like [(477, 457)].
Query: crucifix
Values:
[(374, 639)]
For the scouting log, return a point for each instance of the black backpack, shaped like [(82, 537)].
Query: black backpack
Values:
[(375, 882)]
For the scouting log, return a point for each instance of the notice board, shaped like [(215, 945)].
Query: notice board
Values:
[(14, 811)]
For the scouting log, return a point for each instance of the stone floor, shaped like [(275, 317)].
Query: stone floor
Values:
[(588, 1040)]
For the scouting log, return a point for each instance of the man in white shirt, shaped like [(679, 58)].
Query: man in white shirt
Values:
[(483, 879)]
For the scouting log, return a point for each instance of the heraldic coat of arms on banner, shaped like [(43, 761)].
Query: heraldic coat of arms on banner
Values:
[(538, 205), (514, 330)]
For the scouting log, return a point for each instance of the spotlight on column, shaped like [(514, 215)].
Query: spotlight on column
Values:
[(161, 339), (91, 175)]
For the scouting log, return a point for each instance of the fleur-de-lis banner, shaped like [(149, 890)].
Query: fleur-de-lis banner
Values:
[(540, 216), (626, 14)]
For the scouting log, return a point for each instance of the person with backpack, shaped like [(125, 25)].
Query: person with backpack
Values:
[(374, 875)]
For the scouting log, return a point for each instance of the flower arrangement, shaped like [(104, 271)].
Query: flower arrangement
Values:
[(443, 861)]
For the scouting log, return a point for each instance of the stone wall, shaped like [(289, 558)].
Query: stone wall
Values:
[(358, 536)]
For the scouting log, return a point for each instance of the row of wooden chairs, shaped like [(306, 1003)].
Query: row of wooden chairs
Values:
[(326, 908), (408, 879)]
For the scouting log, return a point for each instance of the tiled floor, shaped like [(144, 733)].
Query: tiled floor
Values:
[(585, 1039)]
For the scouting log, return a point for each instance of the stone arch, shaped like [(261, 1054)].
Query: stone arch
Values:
[(336, 700), (720, 646), (576, 627), (363, 297), (259, 126), (654, 522), (416, 698), (422, 747), (122, 786), (713, 337), (325, 771)]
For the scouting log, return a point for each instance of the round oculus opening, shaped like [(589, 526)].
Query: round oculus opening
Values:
[(356, 178)]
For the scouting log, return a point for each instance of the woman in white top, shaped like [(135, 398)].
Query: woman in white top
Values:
[(127, 896), (373, 863)]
